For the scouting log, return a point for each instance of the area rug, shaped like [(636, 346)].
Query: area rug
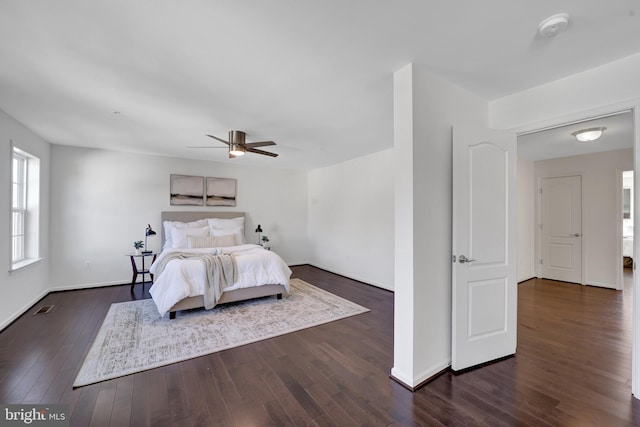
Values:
[(134, 338)]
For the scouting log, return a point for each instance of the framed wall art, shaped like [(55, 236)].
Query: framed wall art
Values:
[(221, 191), (187, 190)]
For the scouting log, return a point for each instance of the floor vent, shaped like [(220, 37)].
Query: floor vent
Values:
[(44, 309)]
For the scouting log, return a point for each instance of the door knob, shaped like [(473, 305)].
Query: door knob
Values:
[(464, 259), (575, 235)]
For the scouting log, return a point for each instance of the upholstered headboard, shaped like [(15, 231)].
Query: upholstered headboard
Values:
[(189, 216)]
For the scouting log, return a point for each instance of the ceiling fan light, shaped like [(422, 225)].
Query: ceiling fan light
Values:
[(591, 134), (236, 149)]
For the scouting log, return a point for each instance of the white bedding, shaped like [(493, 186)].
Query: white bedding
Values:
[(184, 278)]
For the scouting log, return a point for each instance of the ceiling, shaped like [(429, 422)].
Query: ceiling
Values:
[(316, 77), (559, 141)]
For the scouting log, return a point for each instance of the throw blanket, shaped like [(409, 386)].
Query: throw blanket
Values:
[(221, 273)]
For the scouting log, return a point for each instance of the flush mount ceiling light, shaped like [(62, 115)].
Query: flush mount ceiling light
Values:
[(553, 25), (591, 134)]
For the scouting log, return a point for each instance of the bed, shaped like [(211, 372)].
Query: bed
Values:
[(180, 276)]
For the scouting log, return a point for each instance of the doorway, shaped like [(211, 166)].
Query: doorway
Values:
[(555, 152), (603, 241)]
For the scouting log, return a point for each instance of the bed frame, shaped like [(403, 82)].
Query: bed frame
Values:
[(228, 296)]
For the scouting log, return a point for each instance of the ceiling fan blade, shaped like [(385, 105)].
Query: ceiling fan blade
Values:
[(266, 153), (259, 144), (219, 139), (208, 146)]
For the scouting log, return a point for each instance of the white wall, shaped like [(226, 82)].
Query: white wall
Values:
[(526, 220), (22, 288), (610, 84), (351, 218), (600, 222), (101, 201), (425, 108)]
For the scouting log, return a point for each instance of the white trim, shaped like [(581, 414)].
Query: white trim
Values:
[(603, 285), (618, 235), (365, 281), (425, 375), (23, 310), (556, 126), (9, 224), (29, 305), (431, 371), (30, 210), (619, 226), (576, 117), (400, 376), (92, 285), (23, 264), (635, 353)]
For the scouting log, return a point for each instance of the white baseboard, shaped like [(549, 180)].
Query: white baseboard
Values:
[(348, 276), (23, 310), (433, 370), (411, 383), (400, 376), (89, 285), (601, 285), (43, 294)]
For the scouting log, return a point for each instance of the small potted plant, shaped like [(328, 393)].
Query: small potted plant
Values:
[(265, 240), (138, 245)]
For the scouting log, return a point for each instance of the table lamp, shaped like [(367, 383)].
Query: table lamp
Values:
[(148, 232), (259, 230)]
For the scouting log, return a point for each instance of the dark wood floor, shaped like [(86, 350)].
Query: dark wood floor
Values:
[(573, 367)]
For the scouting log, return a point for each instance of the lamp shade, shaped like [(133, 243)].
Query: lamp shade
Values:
[(149, 231), (591, 134)]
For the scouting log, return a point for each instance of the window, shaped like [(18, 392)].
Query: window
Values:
[(18, 206), (25, 194)]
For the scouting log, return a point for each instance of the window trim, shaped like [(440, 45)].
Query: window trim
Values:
[(22, 183), (31, 227), (24, 263)]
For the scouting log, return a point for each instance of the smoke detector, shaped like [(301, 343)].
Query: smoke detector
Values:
[(553, 25)]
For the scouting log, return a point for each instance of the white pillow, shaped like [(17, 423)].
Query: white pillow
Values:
[(224, 226), (237, 232), (179, 235), (212, 241), (170, 225)]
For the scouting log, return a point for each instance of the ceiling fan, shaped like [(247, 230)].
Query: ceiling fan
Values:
[(238, 146)]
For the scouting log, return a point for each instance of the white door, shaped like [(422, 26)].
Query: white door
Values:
[(484, 294), (562, 228)]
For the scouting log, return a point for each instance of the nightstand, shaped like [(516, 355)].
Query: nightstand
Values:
[(144, 270)]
